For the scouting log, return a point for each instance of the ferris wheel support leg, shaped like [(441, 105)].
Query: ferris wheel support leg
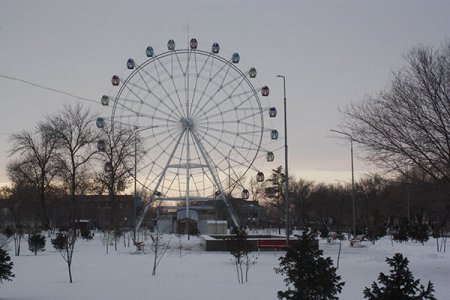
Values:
[(141, 217), (233, 214), (152, 198), (231, 210)]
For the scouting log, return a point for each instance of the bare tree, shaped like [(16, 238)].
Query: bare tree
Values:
[(65, 244), (17, 210), (299, 192), (73, 129), (408, 124), (257, 189), (372, 221), (35, 165), (116, 159), (240, 248), (158, 246)]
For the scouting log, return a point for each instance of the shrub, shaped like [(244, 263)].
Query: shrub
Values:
[(86, 234), (36, 242), (60, 242)]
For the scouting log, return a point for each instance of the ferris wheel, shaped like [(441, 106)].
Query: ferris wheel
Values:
[(200, 122)]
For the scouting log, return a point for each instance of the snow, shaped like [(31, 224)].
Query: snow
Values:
[(201, 275)]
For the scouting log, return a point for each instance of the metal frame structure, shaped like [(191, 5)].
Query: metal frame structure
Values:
[(204, 118)]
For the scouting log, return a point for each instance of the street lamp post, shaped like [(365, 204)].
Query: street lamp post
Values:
[(286, 179), (353, 179), (135, 198), (135, 183)]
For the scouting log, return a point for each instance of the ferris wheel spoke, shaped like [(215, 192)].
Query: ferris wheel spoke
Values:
[(236, 178), (229, 155), (231, 94), (143, 80), (125, 117), (171, 76), (210, 79), (241, 136), (179, 63), (226, 99), (163, 134), (160, 82), (255, 128), (205, 62), (214, 147), (238, 119), (127, 86), (141, 100), (203, 93), (122, 101), (255, 112), (187, 83), (174, 108), (165, 117), (149, 91), (129, 109), (232, 111), (198, 72)]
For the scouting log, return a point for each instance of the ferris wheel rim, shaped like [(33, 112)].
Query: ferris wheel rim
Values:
[(209, 55)]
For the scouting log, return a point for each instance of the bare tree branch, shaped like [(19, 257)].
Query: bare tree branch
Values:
[(409, 123)]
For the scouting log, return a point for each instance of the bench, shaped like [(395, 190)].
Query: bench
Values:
[(356, 241), (332, 237), (271, 244)]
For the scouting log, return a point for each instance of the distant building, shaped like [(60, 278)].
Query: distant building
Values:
[(98, 210), (208, 216)]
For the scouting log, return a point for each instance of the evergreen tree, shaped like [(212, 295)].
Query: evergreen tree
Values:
[(36, 242), (60, 242), (401, 232), (400, 284), (6, 266), (310, 275), (324, 231), (419, 231)]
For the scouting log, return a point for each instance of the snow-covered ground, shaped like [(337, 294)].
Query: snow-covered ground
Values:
[(201, 275)]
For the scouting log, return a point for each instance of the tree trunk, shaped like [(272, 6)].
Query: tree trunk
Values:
[(69, 264), (237, 271), (17, 239), (155, 260)]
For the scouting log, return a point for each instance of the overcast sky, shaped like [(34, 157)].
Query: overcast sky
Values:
[(331, 52)]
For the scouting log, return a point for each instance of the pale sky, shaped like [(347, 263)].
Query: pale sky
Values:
[(331, 52)]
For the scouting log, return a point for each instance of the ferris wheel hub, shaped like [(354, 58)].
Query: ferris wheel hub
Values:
[(187, 123)]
